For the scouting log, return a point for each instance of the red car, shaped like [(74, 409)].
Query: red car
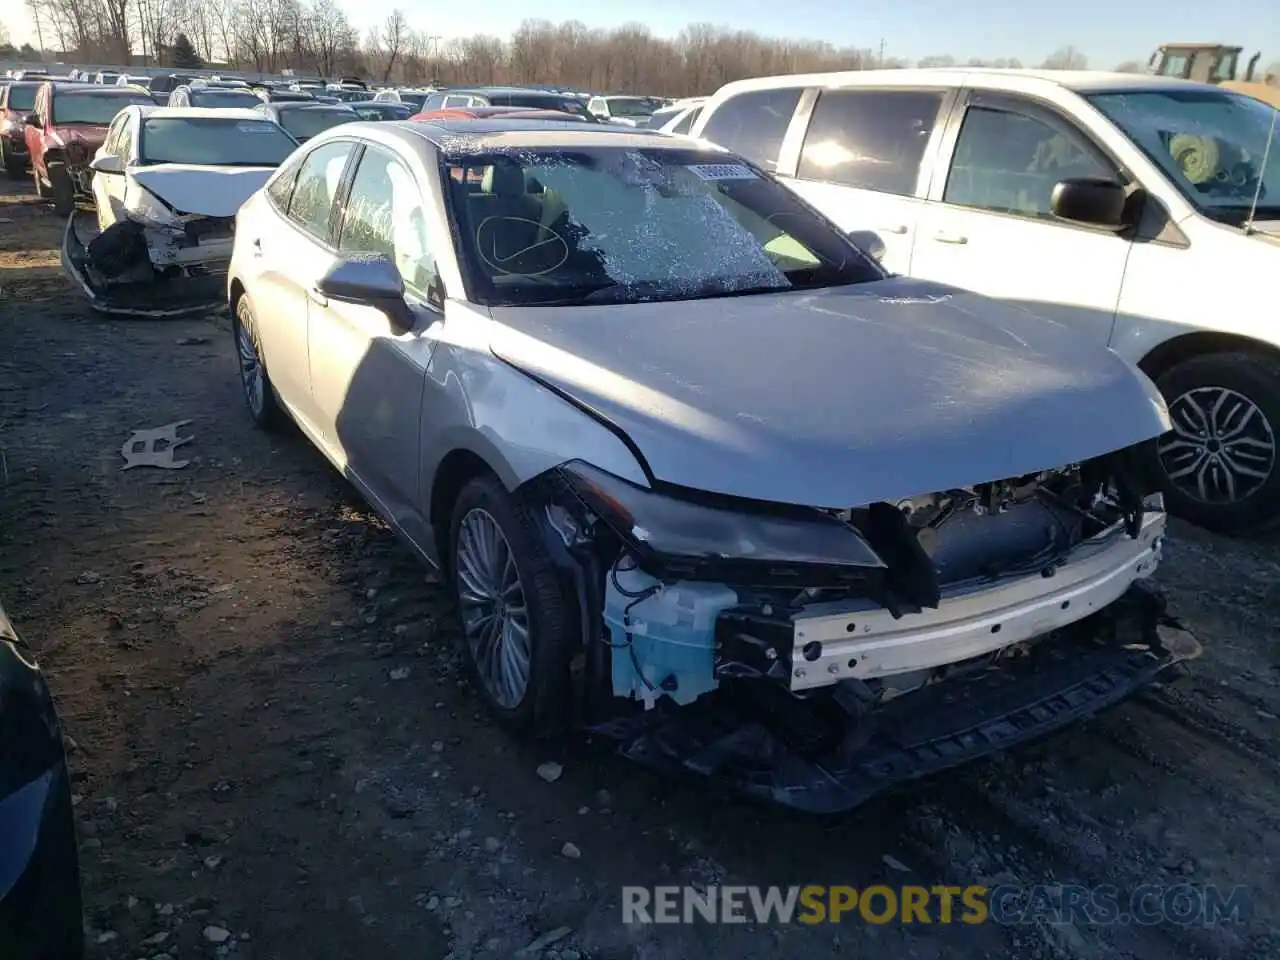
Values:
[(64, 130), (487, 113), (16, 101)]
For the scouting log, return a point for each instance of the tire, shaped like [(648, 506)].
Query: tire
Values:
[(1237, 394), (542, 707), (14, 165), (43, 192), (63, 190), (255, 383)]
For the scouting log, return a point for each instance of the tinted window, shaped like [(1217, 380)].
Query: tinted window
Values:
[(93, 108), (754, 123), (210, 97), (312, 202), (621, 225), (306, 122), (384, 214), (1009, 162), (873, 139), (22, 97)]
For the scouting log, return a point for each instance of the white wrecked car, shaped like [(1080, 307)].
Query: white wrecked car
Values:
[(167, 184)]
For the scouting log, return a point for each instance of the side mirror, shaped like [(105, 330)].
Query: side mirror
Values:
[(1093, 201), (107, 163), (32, 120), (372, 281), (869, 242)]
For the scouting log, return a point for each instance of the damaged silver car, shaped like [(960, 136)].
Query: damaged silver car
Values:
[(167, 183), (701, 474)]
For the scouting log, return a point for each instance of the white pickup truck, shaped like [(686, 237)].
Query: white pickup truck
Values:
[(1144, 211)]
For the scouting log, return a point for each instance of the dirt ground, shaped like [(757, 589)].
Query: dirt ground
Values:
[(274, 755)]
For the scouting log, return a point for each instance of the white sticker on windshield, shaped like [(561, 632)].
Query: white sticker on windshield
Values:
[(722, 171)]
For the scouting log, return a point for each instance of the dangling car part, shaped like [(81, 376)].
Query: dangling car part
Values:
[(701, 474)]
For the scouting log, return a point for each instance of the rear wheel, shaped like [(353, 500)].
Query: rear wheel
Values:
[(259, 395), (514, 615), (1219, 466), (62, 189)]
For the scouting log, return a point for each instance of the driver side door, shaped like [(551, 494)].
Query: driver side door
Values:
[(109, 188)]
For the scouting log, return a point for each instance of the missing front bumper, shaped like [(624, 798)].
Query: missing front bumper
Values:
[(140, 291), (810, 754)]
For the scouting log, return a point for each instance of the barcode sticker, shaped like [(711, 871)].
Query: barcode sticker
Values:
[(722, 171)]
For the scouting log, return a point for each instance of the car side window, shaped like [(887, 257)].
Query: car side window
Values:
[(124, 148), (112, 143), (754, 123), (870, 139), (1009, 162), (685, 123), (280, 189), (385, 213), (319, 177)]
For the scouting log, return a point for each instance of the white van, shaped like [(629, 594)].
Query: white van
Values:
[(1123, 205)]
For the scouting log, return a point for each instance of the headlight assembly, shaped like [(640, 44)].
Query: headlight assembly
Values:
[(672, 536)]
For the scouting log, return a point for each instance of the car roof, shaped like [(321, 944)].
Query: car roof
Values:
[(308, 105), (1079, 81), (227, 113), (459, 137), (96, 89)]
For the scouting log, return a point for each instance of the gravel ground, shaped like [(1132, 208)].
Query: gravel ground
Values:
[(275, 756)]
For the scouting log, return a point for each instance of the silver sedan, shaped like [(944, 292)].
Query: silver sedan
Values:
[(683, 449)]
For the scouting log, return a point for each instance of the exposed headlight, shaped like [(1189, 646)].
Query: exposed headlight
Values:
[(675, 536), (147, 209)]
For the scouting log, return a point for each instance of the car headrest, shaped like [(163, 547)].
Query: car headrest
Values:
[(503, 180)]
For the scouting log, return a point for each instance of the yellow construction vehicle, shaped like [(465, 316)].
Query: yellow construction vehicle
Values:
[(1215, 63)]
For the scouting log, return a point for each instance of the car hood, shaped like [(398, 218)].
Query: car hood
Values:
[(837, 397), (205, 190)]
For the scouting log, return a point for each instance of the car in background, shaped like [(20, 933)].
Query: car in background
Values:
[(305, 120), (169, 82), (1100, 201), (40, 902), (345, 95), (17, 101), (141, 81), (504, 97), (381, 110), (490, 113), (199, 93), (678, 117), (37, 75), (414, 98), (66, 126), (282, 95), (644, 408), (629, 111), (106, 77)]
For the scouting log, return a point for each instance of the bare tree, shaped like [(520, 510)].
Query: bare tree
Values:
[(1065, 58), (328, 35), (1130, 66), (392, 39), (936, 61)]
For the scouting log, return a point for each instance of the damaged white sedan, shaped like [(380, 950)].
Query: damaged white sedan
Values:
[(701, 475), (167, 183)]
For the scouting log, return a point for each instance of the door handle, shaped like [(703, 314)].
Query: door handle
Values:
[(899, 229), (316, 297), (943, 237)]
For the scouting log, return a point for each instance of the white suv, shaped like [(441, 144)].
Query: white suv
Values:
[(1134, 208)]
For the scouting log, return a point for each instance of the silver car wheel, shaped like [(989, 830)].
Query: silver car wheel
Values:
[(251, 373), (495, 616), (1221, 449)]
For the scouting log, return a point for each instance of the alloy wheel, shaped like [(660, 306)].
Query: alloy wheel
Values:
[(495, 616), (1222, 448), (251, 373)]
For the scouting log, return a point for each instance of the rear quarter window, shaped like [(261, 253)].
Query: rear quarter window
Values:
[(754, 123)]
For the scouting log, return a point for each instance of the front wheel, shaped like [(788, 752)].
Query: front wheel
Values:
[(14, 164), (62, 189), (516, 625), (1218, 465)]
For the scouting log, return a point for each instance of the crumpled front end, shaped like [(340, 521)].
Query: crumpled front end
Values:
[(148, 267), (815, 657)]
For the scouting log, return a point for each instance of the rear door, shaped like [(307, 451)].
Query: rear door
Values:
[(865, 160), (754, 124), (290, 247), (988, 225)]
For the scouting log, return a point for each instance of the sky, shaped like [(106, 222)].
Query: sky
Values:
[(1108, 32)]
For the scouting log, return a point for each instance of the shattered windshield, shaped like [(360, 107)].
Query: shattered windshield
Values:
[(618, 225), (214, 140), (306, 122), (98, 109), (1210, 143)]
